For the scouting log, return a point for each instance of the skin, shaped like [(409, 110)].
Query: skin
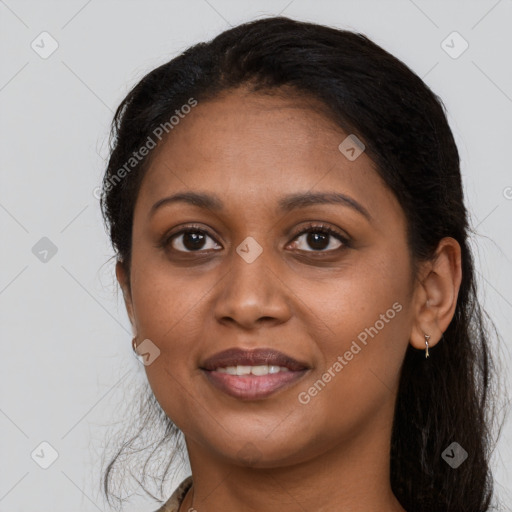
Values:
[(333, 452)]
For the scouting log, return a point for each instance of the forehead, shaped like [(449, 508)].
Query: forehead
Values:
[(247, 147)]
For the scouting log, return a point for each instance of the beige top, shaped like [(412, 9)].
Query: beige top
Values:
[(174, 502)]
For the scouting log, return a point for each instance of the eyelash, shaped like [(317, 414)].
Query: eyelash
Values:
[(309, 228), (313, 227)]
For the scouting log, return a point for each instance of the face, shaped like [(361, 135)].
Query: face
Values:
[(327, 283)]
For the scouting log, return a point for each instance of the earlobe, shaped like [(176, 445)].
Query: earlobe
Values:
[(436, 294)]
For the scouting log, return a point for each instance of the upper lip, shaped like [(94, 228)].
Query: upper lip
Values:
[(254, 357)]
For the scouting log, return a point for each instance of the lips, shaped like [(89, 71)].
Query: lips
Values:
[(256, 357), (261, 372)]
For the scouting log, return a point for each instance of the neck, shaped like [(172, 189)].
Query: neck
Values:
[(352, 476)]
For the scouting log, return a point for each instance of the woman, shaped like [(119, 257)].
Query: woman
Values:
[(286, 207)]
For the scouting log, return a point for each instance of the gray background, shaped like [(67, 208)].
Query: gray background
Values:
[(67, 361)]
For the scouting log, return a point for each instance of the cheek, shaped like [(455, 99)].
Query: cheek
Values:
[(166, 302), (356, 382), (171, 310), (365, 319), (371, 291)]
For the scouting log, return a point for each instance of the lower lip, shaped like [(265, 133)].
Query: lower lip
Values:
[(252, 387)]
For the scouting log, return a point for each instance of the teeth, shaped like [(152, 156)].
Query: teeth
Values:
[(254, 370), (242, 370)]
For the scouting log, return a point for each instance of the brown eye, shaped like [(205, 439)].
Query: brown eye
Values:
[(320, 238), (190, 240)]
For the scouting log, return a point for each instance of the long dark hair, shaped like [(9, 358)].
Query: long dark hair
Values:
[(370, 93)]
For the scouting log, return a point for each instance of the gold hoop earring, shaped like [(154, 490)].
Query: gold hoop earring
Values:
[(427, 337), (134, 346)]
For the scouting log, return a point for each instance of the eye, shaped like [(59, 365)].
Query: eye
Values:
[(195, 239), (190, 239), (320, 238)]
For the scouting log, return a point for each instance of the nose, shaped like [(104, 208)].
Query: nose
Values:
[(252, 294)]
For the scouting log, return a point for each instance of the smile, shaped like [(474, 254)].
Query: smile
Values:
[(263, 369), (252, 382)]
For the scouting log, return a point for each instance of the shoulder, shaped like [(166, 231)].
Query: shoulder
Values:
[(173, 503)]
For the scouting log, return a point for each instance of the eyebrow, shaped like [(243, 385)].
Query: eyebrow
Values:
[(285, 204)]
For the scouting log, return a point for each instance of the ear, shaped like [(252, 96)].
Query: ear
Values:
[(436, 293), (122, 279)]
